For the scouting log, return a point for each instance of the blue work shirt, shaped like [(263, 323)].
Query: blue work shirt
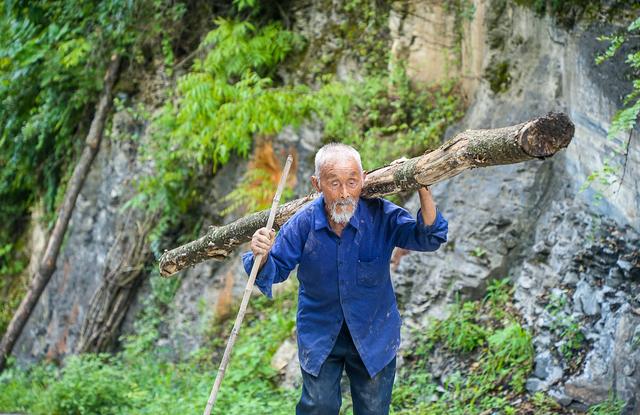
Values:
[(346, 277)]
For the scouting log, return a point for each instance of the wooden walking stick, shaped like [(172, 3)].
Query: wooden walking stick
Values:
[(247, 294)]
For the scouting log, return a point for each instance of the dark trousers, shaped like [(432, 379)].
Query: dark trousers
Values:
[(321, 394)]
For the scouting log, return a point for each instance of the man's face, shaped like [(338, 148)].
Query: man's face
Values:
[(341, 183)]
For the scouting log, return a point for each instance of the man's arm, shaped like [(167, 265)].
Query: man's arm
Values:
[(428, 208), (282, 253), (424, 233)]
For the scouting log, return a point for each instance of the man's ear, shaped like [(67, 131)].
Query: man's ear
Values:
[(316, 183)]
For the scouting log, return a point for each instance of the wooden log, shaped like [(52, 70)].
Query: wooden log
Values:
[(537, 139), (48, 263)]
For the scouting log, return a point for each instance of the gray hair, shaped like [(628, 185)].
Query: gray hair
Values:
[(330, 150)]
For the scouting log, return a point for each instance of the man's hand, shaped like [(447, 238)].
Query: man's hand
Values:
[(261, 243)]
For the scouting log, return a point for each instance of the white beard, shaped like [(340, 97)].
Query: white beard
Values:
[(345, 214)]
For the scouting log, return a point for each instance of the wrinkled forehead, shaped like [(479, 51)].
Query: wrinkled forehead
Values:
[(344, 165)]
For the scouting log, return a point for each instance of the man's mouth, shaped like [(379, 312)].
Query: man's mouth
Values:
[(347, 208)]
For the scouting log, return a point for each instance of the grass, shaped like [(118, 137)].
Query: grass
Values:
[(492, 354), (495, 356), (139, 380)]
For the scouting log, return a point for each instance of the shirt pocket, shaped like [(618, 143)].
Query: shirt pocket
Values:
[(371, 273)]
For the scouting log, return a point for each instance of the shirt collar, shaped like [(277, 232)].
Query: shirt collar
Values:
[(320, 215)]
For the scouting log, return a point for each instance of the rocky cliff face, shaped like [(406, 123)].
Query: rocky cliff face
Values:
[(573, 261), (99, 241)]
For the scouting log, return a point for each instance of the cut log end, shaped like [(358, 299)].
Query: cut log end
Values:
[(545, 136)]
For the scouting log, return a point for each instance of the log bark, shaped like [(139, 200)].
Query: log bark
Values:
[(537, 139), (47, 264)]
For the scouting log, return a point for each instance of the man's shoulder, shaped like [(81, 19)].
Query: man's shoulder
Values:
[(382, 210), (302, 217), (378, 203)]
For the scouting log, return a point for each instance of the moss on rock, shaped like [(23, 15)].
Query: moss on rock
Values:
[(498, 76)]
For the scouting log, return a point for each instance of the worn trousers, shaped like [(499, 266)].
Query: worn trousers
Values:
[(321, 394)]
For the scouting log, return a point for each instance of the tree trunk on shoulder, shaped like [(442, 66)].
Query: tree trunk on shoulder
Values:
[(537, 139)]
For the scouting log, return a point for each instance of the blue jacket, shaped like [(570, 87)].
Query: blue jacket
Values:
[(346, 277)]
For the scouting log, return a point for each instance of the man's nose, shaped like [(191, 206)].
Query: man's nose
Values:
[(344, 191)]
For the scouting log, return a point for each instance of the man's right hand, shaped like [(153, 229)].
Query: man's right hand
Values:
[(262, 241)]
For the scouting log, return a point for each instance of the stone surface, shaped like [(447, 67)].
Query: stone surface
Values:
[(286, 353), (53, 328), (572, 261), (531, 222)]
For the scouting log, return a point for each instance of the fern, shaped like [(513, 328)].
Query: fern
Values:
[(626, 118)]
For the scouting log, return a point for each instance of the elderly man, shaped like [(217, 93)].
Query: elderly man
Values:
[(347, 312)]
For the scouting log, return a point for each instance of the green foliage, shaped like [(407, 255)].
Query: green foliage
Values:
[(544, 404), (612, 406), (227, 98), (53, 56), (231, 95), (13, 279), (511, 347), (497, 73), (565, 327), (625, 119), (461, 332), (88, 384), (494, 366), (386, 118), (499, 292), (142, 380), (52, 61)]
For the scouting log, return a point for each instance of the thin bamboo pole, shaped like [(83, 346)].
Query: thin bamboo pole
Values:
[(247, 294)]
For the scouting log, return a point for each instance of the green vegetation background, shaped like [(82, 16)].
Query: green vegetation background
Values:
[(52, 60)]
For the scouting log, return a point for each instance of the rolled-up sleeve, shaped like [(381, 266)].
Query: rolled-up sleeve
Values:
[(283, 257), (264, 279), (435, 234), (412, 233)]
